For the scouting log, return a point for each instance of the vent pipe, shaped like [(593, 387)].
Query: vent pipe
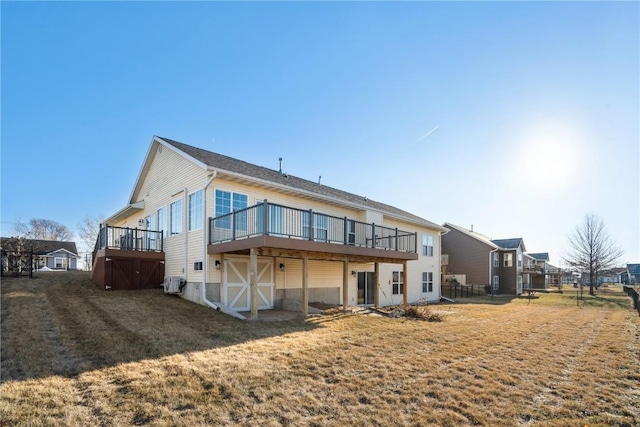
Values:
[(280, 160)]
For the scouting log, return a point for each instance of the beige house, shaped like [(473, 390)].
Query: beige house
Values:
[(241, 238)]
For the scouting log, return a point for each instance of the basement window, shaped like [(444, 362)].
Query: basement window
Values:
[(197, 266)]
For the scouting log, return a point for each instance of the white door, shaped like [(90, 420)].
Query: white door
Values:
[(237, 292)]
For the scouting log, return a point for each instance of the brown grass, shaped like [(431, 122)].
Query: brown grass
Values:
[(73, 355)]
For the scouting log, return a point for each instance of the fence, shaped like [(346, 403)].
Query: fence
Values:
[(633, 293), (453, 290)]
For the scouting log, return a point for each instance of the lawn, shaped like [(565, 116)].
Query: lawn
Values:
[(76, 356)]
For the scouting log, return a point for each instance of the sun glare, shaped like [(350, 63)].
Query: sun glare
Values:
[(548, 156)]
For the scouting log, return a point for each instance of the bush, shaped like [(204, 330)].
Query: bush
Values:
[(422, 313)]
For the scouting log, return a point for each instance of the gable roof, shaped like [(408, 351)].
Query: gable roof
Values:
[(543, 256), (473, 234), (232, 167), (633, 268), (40, 246), (509, 243)]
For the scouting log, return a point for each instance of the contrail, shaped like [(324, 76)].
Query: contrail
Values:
[(428, 133)]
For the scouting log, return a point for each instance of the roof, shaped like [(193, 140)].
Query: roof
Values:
[(543, 256), (40, 246), (473, 234), (633, 268), (226, 164), (509, 243)]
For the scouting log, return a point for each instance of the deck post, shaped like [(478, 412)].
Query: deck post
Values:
[(404, 282), (376, 284), (305, 286), (253, 274), (345, 285)]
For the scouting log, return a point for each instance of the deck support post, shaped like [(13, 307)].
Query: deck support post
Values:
[(345, 285), (305, 286), (376, 284), (404, 282), (253, 280)]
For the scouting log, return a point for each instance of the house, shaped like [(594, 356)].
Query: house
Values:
[(241, 237), (47, 254), (631, 275), (497, 263)]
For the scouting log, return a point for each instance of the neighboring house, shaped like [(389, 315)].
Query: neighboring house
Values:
[(237, 237), (47, 254), (485, 261), (631, 275)]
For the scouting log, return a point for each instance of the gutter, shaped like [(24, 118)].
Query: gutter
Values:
[(490, 264)]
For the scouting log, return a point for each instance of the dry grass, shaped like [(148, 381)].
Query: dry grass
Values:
[(73, 355)]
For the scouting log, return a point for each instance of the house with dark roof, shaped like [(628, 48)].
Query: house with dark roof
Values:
[(240, 238), (497, 263), (630, 275), (47, 254)]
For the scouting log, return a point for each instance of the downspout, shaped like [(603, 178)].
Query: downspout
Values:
[(185, 224), (205, 255), (442, 233)]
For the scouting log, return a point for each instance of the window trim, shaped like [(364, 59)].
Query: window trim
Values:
[(427, 244), (507, 259), (496, 259), (175, 227), (495, 284), (428, 283), (397, 286), (195, 214)]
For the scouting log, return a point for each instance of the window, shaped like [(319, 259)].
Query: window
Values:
[(195, 211), (507, 260), (150, 223), (427, 282), (59, 262), (176, 217), (496, 259), (197, 266), (162, 220), (227, 202), (496, 283), (397, 282), (150, 238), (320, 230), (427, 245), (519, 260)]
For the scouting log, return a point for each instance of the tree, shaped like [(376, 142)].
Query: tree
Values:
[(591, 249), (89, 229), (44, 229)]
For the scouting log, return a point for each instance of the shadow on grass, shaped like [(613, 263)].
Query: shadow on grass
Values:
[(482, 299), (60, 324)]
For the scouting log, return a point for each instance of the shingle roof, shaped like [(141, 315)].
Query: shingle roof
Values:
[(40, 246), (633, 268), (478, 236), (230, 164), (543, 256), (508, 243)]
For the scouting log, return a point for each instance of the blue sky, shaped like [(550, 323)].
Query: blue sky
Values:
[(535, 105)]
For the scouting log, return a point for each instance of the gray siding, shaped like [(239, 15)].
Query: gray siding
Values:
[(467, 256)]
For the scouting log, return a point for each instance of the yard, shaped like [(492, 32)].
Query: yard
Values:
[(76, 356)]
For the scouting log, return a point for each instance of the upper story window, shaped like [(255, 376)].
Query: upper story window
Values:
[(427, 245), (227, 202), (507, 260), (176, 217), (519, 260), (195, 211), (496, 259)]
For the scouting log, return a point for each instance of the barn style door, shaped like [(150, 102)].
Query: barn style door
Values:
[(237, 292)]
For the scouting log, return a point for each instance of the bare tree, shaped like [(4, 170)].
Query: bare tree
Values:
[(89, 229), (46, 229), (591, 249)]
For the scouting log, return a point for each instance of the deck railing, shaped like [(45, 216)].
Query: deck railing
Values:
[(277, 220), (132, 239)]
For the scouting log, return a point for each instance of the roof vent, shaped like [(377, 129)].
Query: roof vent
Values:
[(280, 160), (319, 179)]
